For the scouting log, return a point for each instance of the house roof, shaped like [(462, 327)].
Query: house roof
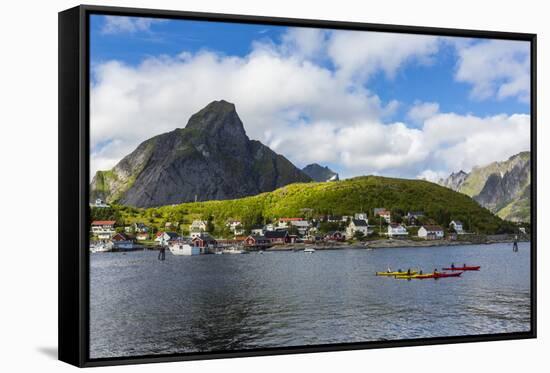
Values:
[(258, 238), (432, 228), (291, 219), (359, 223), (205, 237), (104, 222), (120, 237), (172, 235), (276, 234), (456, 222)]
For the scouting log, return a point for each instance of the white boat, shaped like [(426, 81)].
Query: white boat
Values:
[(181, 248), (234, 250), (100, 248), (309, 250)]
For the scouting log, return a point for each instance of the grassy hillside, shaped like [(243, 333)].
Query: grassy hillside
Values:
[(441, 205)]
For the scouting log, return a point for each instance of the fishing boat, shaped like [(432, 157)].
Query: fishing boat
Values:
[(463, 268), (309, 250), (396, 273)]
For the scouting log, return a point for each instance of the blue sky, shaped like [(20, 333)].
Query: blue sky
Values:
[(430, 100)]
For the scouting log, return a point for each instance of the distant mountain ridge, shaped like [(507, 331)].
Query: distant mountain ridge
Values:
[(212, 158), (320, 173), (502, 187)]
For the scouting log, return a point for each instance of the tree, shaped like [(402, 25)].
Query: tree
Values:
[(210, 227)]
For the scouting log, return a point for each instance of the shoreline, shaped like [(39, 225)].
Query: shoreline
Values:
[(383, 244), (366, 245)]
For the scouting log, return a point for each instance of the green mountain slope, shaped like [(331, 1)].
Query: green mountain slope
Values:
[(340, 198)]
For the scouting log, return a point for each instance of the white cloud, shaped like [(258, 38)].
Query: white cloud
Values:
[(462, 142), (120, 24), (288, 100), (496, 69), (422, 111), (360, 54)]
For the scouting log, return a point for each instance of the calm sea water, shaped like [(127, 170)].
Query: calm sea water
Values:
[(140, 306)]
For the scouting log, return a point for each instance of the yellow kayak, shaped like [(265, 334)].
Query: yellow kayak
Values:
[(396, 273), (414, 275)]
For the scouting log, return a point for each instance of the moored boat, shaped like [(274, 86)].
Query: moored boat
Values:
[(100, 248), (309, 250), (234, 250)]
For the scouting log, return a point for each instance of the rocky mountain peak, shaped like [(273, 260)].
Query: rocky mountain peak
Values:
[(211, 158), (320, 173)]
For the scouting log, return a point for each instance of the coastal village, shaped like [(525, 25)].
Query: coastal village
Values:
[(283, 233)]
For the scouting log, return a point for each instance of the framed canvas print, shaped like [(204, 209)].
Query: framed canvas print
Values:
[(235, 186)]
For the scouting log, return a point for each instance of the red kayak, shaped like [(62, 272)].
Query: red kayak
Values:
[(436, 275), (467, 268)]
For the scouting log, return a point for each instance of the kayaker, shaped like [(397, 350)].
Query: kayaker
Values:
[(452, 265), (435, 271), (420, 272), (408, 272), (389, 270)]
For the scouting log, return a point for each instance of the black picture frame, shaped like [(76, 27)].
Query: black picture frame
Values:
[(73, 255)]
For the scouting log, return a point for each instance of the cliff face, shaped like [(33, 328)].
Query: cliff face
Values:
[(502, 187), (212, 158), (320, 173), (455, 180)]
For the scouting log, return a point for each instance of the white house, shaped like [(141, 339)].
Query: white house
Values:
[(257, 231), (397, 230), (284, 223), (431, 232), (269, 227), (357, 225), (235, 227), (301, 225), (103, 229), (457, 226), (383, 213), (198, 226)]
